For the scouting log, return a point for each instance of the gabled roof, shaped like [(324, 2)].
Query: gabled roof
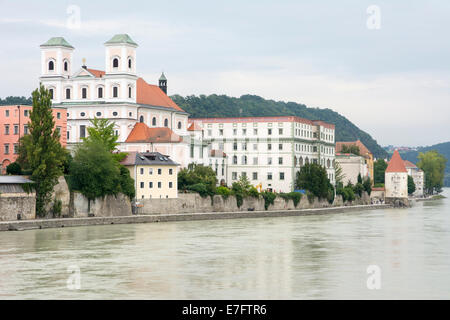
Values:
[(141, 133), (57, 42), (96, 73), (195, 127), (363, 150), (147, 158), (396, 163), (409, 164), (152, 95), (121, 38)]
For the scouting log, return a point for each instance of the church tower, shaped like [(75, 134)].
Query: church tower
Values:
[(120, 55), (163, 83)]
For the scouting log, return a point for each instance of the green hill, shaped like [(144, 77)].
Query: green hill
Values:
[(442, 148), (250, 105)]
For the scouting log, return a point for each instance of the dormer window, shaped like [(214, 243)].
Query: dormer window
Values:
[(115, 63), (51, 66)]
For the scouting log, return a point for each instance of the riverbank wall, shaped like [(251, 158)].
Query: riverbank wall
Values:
[(91, 221)]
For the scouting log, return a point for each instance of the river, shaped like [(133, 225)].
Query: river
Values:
[(305, 257)]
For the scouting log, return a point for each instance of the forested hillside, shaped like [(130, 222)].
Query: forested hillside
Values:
[(250, 105)]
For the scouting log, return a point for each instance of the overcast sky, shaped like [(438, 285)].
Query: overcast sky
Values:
[(392, 81)]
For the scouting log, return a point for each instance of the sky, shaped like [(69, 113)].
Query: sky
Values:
[(385, 65)]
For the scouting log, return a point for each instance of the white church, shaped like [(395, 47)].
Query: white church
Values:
[(146, 119)]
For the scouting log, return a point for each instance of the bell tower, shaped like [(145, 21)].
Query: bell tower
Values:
[(120, 57), (56, 58), (163, 83)]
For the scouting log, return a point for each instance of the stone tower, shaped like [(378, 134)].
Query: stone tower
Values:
[(396, 181)]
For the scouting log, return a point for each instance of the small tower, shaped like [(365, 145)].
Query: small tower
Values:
[(120, 55), (396, 181), (56, 58), (163, 83)]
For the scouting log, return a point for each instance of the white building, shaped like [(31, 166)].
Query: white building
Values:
[(396, 178), (268, 150), (352, 165), (417, 175), (116, 93)]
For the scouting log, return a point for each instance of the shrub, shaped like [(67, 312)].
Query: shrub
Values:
[(310, 196), (367, 186), (200, 188), (330, 196), (379, 185), (57, 208), (313, 178), (294, 196), (253, 192), (269, 198), (358, 189), (349, 193), (14, 169), (223, 191)]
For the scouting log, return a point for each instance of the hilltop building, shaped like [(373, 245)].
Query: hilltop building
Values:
[(154, 174), (267, 150), (14, 124), (396, 180), (116, 93), (417, 175), (363, 152)]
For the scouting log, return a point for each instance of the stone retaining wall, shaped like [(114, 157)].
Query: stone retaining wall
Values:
[(13, 204)]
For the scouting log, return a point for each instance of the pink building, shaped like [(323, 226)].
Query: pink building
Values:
[(14, 124)]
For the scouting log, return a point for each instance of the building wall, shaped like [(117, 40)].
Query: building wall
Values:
[(418, 177), (352, 166), (9, 141), (146, 181), (396, 184), (13, 204)]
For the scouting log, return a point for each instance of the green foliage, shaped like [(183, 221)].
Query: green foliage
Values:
[(242, 188), (57, 208), (358, 189), (367, 186), (330, 195), (251, 105), (313, 177), (269, 198), (378, 185), (339, 174), (223, 191), (126, 183), (411, 185), (294, 196), (433, 165), (379, 168), (311, 196), (200, 188), (14, 169), (195, 174), (347, 193), (359, 178), (350, 149), (253, 192), (40, 151)]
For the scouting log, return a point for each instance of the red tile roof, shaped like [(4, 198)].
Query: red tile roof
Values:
[(141, 133), (362, 148), (195, 127), (409, 164), (152, 95), (396, 163), (96, 73)]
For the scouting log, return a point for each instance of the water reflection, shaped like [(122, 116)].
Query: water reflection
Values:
[(308, 257)]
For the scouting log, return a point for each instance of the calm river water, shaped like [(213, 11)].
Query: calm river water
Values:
[(310, 257)]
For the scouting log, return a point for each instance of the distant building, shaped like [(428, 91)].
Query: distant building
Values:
[(396, 178), (154, 174), (15, 203), (417, 175), (363, 151), (352, 165), (14, 125)]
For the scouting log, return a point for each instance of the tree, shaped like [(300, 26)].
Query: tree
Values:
[(379, 169), (14, 169), (198, 175), (433, 165), (367, 186), (339, 174), (350, 149), (40, 151), (313, 177), (359, 179), (411, 185), (102, 130)]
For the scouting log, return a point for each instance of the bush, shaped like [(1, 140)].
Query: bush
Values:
[(294, 196), (367, 186), (269, 198), (253, 192), (200, 188), (330, 196), (57, 208), (379, 185), (313, 178), (358, 189), (196, 174), (347, 193), (14, 169), (223, 191), (310, 196)]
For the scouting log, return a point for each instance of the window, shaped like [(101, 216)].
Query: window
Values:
[(6, 113), (141, 119), (179, 125), (51, 66), (280, 146), (6, 148), (129, 63), (234, 132), (159, 184), (16, 129), (116, 132), (6, 129), (115, 92), (244, 159), (16, 148), (269, 146), (235, 146), (67, 94), (255, 175), (100, 92), (150, 185), (142, 185), (244, 146), (209, 132), (142, 170), (50, 91), (234, 159), (66, 66), (58, 129), (170, 171), (269, 132), (170, 184), (244, 132), (269, 176), (220, 132), (255, 146), (166, 122), (269, 160), (255, 160), (129, 92), (255, 132), (154, 121), (234, 175), (82, 131), (115, 63), (280, 132), (281, 175), (25, 129), (115, 114), (280, 160), (82, 114), (58, 115), (98, 114), (130, 114), (150, 171), (159, 171)]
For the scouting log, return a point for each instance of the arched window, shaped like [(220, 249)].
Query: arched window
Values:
[(115, 63), (51, 65), (100, 92), (129, 92), (154, 121), (328, 163), (68, 93), (306, 160), (84, 93), (179, 124), (129, 63), (115, 92), (300, 162), (66, 66), (51, 93), (166, 123), (141, 119)]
